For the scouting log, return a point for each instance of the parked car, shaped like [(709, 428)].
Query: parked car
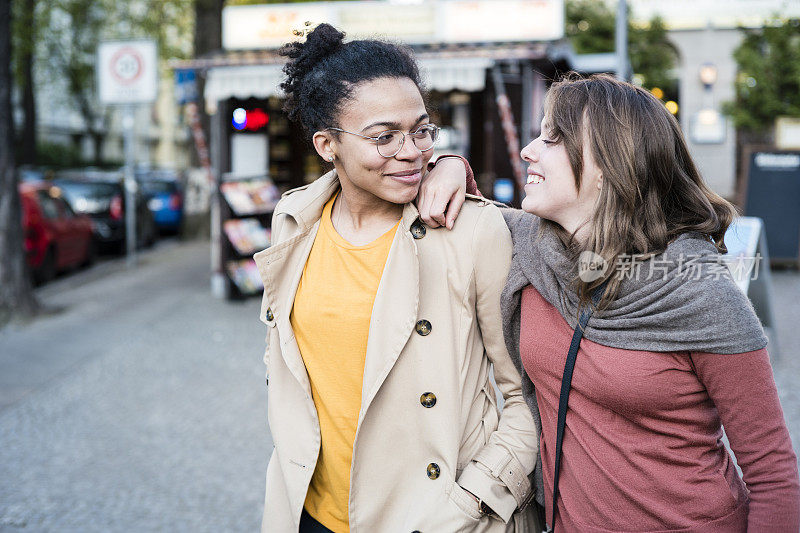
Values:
[(33, 174), (56, 238), (164, 194), (102, 197)]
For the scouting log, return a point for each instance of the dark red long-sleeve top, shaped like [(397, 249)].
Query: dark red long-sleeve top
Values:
[(643, 449)]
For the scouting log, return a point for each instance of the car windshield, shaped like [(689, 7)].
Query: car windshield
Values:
[(89, 197), (158, 186), (80, 189)]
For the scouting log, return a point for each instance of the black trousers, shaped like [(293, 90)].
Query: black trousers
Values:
[(309, 525)]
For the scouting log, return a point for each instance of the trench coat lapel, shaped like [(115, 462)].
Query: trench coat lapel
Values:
[(281, 267), (394, 312)]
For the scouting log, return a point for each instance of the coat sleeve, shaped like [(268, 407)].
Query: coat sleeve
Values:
[(498, 474)]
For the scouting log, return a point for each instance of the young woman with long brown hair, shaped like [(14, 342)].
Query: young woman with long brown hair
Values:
[(617, 219)]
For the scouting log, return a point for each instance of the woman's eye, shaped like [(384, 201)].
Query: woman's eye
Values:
[(384, 138)]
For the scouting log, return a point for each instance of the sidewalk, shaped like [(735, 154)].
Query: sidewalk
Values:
[(140, 407), (786, 366)]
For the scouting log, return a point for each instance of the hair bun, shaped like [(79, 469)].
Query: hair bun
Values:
[(323, 40), (319, 43)]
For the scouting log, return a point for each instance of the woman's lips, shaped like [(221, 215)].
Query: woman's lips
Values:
[(410, 177)]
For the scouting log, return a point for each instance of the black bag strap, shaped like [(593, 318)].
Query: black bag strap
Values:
[(566, 383)]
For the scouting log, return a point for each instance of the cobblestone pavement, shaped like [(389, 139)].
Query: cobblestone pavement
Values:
[(141, 406)]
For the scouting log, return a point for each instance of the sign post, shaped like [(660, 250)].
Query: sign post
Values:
[(127, 74)]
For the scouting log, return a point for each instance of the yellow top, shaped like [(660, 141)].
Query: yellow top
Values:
[(330, 319)]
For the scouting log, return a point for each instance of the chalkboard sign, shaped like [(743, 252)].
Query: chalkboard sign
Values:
[(772, 193)]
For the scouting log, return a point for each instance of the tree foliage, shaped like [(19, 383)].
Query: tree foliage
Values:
[(63, 36), (169, 22), (768, 83), (591, 26)]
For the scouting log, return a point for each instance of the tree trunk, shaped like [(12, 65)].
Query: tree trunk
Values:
[(16, 294), (208, 26), (29, 154), (90, 119), (207, 38), (97, 143)]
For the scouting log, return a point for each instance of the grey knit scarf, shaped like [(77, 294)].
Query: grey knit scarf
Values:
[(681, 300)]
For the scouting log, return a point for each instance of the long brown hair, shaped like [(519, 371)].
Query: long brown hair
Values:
[(651, 191)]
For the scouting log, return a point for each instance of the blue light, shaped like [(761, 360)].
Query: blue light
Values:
[(239, 118)]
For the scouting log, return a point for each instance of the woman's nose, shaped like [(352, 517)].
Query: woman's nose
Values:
[(409, 150), (529, 152)]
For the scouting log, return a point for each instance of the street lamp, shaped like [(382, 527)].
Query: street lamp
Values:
[(708, 75)]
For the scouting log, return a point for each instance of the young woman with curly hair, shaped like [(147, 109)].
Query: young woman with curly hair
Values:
[(382, 332)]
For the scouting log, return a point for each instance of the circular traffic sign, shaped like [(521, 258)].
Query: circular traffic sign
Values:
[(126, 65)]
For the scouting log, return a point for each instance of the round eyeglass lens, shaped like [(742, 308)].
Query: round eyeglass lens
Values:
[(391, 142), (425, 137)]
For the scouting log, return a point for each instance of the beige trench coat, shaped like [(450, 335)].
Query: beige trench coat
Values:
[(453, 280)]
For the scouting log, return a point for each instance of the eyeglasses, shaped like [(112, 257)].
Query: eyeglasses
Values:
[(390, 142)]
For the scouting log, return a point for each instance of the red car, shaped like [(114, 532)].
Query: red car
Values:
[(55, 237)]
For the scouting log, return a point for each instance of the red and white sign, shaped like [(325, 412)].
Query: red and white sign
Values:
[(127, 72)]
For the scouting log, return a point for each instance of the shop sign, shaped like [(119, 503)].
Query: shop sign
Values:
[(269, 26)]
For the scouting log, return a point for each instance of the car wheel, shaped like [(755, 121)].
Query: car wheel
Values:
[(151, 238), (47, 270), (91, 254), (152, 234)]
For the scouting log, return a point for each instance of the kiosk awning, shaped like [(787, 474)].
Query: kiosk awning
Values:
[(251, 81), (465, 74), (262, 81)]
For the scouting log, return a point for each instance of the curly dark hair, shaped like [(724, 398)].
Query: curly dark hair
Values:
[(322, 72)]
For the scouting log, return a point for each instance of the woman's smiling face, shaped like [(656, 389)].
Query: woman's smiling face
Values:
[(374, 107), (550, 192)]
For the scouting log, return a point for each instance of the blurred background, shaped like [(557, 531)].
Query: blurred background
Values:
[(143, 150)]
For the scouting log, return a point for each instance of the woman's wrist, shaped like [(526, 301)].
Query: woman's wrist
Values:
[(485, 509), (472, 186)]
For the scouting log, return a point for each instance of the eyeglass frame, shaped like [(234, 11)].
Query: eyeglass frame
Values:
[(436, 129)]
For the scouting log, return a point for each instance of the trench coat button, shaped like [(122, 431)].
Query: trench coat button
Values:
[(270, 317), (428, 399), (424, 327), (433, 470), (418, 229)]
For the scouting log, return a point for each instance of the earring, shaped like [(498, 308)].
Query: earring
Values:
[(330, 159)]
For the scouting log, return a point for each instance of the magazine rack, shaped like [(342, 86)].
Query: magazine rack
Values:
[(245, 217)]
